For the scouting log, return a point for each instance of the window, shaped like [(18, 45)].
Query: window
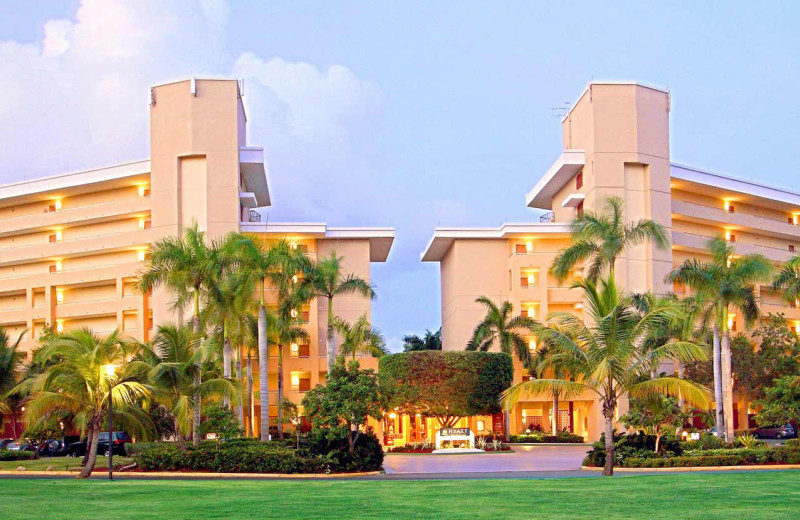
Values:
[(53, 239), (730, 207), (579, 181), (580, 209), (790, 220), (791, 248), (300, 350), (148, 224), (730, 237), (520, 249), (678, 287)]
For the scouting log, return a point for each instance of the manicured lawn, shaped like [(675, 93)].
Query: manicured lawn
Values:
[(774, 494), (60, 463)]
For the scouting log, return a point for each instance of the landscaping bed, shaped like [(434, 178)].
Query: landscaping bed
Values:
[(541, 438)]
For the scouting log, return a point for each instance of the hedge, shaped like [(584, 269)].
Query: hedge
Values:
[(7, 455), (566, 438), (253, 456), (733, 457)]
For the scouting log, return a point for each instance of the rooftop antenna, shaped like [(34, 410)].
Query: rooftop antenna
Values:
[(560, 111)]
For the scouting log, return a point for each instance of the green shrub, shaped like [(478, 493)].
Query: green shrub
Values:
[(253, 456), (134, 448), (792, 443), (7, 455), (636, 445), (719, 457), (367, 456), (563, 437), (706, 442), (749, 441)]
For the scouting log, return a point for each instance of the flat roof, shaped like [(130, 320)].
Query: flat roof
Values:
[(726, 182), (443, 237), (567, 165), (380, 238), (612, 82), (74, 179)]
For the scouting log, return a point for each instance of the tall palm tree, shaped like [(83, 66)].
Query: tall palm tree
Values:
[(726, 282), (186, 266), (601, 237), (79, 383), (260, 264), (285, 331), (500, 328), (11, 359), (360, 337), (327, 280), (172, 361), (608, 358), (542, 363)]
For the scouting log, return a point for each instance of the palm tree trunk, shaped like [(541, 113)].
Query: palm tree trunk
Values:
[(280, 391), (330, 347), (89, 439), (179, 436), (681, 400), (240, 408), (555, 413), (608, 468), (263, 380), (198, 378), (250, 418), (92, 454), (718, 382), (727, 385), (226, 360)]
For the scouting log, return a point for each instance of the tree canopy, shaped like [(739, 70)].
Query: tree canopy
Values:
[(445, 385)]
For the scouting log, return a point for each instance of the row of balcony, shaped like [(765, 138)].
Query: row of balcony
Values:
[(717, 216)]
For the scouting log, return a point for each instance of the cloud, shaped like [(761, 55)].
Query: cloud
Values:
[(395, 344), (78, 96)]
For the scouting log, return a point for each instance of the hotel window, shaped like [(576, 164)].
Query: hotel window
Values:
[(528, 277), (791, 248), (144, 191), (678, 287), (579, 181), (580, 209), (301, 383), (53, 239), (528, 310), (730, 237), (296, 350), (729, 208)]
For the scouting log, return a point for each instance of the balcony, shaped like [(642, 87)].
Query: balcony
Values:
[(73, 276), (547, 217), (717, 216), (80, 215), (694, 242), (83, 246)]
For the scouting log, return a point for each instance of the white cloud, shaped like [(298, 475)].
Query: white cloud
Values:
[(77, 98)]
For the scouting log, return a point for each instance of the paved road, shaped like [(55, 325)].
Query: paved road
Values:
[(529, 459)]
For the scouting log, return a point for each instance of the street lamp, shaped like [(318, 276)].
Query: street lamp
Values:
[(110, 372)]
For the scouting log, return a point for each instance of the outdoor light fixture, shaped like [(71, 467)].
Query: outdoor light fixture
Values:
[(59, 296), (295, 348), (728, 236), (58, 235), (294, 313), (141, 255), (532, 345), (295, 381), (58, 204), (797, 327), (293, 245), (59, 326), (294, 279), (58, 266), (529, 246), (531, 279), (141, 223), (578, 306)]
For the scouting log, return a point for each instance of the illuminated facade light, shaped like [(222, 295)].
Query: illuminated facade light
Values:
[(58, 266), (294, 279), (295, 381), (528, 246), (294, 313), (58, 235), (141, 223), (797, 327), (293, 245), (532, 345), (728, 236), (59, 296), (141, 255), (58, 204), (295, 348), (59, 326), (531, 279)]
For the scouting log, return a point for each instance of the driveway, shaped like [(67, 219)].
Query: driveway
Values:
[(524, 459)]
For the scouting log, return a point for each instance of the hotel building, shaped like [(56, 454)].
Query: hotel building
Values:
[(71, 245), (615, 143)]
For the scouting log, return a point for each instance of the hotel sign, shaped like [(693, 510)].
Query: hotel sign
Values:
[(454, 432)]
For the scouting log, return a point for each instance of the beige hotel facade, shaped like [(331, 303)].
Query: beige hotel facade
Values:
[(615, 143), (71, 245)]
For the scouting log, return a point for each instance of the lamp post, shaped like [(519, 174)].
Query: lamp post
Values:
[(110, 371)]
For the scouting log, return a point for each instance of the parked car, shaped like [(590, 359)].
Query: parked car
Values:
[(21, 445), (775, 432), (78, 449), (4, 443), (59, 447)]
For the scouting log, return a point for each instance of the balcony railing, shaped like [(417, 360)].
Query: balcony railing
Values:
[(547, 217), (254, 216)]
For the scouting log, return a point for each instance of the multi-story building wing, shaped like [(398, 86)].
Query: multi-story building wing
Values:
[(71, 245), (615, 143)]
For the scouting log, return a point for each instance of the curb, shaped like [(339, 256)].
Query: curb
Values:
[(185, 475), (752, 467), (585, 444)]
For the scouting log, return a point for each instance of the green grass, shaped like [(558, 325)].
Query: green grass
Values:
[(60, 463), (761, 495)]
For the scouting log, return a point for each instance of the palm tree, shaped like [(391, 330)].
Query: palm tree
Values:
[(542, 363), (285, 331), (602, 237), (186, 266), (327, 280), (608, 358), (430, 341), (726, 282), (260, 264), (500, 328), (788, 280), (360, 337), (79, 383), (10, 367), (172, 362)]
